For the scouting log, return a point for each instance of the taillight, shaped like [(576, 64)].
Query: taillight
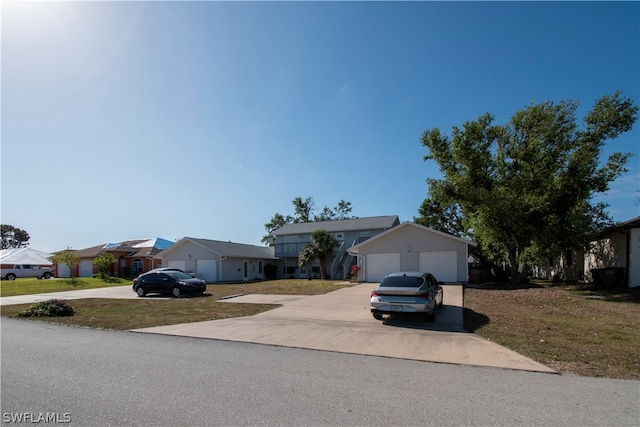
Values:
[(374, 294), (425, 296)]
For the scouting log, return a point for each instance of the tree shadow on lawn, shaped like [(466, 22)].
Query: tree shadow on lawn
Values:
[(473, 320), (621, 294)]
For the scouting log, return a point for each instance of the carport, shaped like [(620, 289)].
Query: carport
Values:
[(413, 247)]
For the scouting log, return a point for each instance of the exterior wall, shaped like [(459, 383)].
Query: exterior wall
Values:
[(289, 252), (228, 269), (409, 242), (349, 237), (634, 258), (607, 252), (567, 267), (189, 253)]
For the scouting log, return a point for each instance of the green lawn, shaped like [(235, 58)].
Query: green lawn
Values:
[(40, 286)]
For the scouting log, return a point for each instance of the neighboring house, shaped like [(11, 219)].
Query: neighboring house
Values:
[(24, 255), (618, 248), (217, 261), (413, 247), (132, 257), (291, 239), (614, 252), (567, 267)]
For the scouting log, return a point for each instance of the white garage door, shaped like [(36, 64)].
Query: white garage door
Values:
[(379, 265), (443, 265), (206, 270), (63, 270), (85, 268), (177, 264)]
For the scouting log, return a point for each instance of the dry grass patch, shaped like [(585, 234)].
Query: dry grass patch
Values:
[(572, 328)]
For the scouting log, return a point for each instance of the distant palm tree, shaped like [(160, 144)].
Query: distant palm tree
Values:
[(321, 248)]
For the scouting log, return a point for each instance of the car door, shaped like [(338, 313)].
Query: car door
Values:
[(163, 283), (149, 282), (434, 285)]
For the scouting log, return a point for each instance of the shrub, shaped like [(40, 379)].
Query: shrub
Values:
[(49, 308)]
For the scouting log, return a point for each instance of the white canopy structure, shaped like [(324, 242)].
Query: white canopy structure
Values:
[(24, 256)]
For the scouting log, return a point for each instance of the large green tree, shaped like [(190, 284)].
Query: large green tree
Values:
[(321, 248), (304, 211), (524, 190), (13, 237)]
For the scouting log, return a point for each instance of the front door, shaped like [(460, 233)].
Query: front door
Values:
[(246, 270)]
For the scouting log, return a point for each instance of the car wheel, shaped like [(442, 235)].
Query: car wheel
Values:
[(377, 316), (176, 292), (11, 276), (140, 291), (46, 276)]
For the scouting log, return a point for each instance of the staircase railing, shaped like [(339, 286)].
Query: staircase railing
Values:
[(336, 261)]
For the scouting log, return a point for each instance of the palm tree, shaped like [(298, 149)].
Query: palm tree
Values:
[(321, 248)]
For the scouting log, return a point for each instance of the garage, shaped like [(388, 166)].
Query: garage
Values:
[(177, 264), (85, 268), (379, 265), (443, 265), (413, 247), (63, 270), (206, 269)]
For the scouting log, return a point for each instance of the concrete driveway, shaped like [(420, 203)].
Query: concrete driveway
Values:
[(340, 321)]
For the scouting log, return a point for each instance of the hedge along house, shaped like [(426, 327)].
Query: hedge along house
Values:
[(132, 257), (291, 239), (413, 247), (217, 261)]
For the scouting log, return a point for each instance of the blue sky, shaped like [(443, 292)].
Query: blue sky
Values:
[(125, 120)]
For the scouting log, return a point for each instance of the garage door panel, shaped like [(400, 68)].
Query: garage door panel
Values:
[(443, 265), (206, 269), (379, 265), (85, 268), (181, 264)]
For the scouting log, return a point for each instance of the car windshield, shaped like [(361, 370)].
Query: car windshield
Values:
[(402, 282), (178, 275)]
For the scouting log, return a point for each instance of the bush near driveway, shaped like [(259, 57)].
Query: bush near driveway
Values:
[(568, 327)]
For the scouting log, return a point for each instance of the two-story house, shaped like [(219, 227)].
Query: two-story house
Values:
[(291, 239)]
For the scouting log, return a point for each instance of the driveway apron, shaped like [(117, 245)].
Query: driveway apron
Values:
[(341, 321)]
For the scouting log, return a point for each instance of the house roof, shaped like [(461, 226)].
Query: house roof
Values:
[(225, 249), (24, 256), (355, 224), (418, 227), (620, 227), (632, 223), (134, 248)]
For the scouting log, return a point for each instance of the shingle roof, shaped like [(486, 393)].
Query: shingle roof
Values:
[(235, 250), (356, 224)]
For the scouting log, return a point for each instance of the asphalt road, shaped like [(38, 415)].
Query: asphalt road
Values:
[(100, 378)]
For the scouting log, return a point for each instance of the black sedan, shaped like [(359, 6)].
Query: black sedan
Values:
[(176, 283)]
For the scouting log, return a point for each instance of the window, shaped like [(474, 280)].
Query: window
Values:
[(136, 265), (364, 235), (569, 257), (260, 268), (340, 237), (290, 244)]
